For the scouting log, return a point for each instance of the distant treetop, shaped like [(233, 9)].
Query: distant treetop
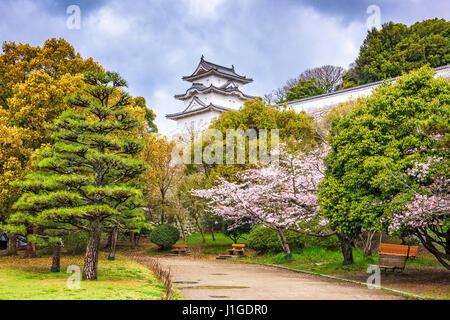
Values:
[(398, 49)]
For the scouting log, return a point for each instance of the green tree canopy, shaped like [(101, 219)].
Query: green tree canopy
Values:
[(397, 49), (305, 89), (34, 80), (378, 141), (33, 84), (255, 114), (88, 179)]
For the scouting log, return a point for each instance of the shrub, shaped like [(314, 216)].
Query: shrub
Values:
[(264, 239), (236, 233), (331, 242), (76, 243), (144, 233), (165, 236)]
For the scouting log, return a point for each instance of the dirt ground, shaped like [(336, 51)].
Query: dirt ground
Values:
[(202, 279), (434, 284)]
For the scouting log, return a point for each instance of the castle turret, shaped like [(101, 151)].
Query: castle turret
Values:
[(214, 90)]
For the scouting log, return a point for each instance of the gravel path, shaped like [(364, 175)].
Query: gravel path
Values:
[(200, 279)]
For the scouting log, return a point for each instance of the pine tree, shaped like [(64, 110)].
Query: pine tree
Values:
[(89, 178)]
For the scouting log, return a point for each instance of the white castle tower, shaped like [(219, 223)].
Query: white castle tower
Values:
[(215, 89)]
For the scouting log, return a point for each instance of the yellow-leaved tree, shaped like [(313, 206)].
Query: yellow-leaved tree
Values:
[(33, 84), (161, 177)]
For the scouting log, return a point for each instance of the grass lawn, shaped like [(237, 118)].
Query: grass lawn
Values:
[(196, 245), (210, 246), (30, 279), (328, 261)]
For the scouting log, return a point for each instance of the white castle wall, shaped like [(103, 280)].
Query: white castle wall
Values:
[(317, 104), (323, 102), (216, 81), (198, 121)]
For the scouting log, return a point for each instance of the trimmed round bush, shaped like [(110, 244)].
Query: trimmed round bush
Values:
[(75, 243), (165, 236), (265, 239)]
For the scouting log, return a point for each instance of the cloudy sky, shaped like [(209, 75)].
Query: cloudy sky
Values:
[(153, 43)]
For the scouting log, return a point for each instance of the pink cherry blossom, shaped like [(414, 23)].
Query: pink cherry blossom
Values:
[(280, 197)]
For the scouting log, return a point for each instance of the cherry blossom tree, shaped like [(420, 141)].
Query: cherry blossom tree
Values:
[(281, 197), (427, 215)]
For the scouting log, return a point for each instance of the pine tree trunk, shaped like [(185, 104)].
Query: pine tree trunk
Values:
[(109, 242), (56, 259), (347, 249), (114, 235), (12, 244), (30, 249), (212, 234), (133, 240), (91, 258)]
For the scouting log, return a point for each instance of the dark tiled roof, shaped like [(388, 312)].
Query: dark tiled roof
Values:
[(201, 88), (210, 68), (195, 111), (195, 99)]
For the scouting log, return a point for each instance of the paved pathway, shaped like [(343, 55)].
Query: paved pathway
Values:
[(216, 279)]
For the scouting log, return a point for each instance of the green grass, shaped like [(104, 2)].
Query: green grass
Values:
[(220, 240), (315, 259), (197, 246), (210, 246), (329, 261), (29, 279)]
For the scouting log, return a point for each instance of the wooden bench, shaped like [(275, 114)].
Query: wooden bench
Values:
[(393, 256), (238, 249), (180, 248), (413, 250)]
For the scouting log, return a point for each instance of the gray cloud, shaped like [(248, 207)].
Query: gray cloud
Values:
[(154, 43)]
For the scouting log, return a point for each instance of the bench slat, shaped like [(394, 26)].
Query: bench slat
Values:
[(393, 249), (413, 250)]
